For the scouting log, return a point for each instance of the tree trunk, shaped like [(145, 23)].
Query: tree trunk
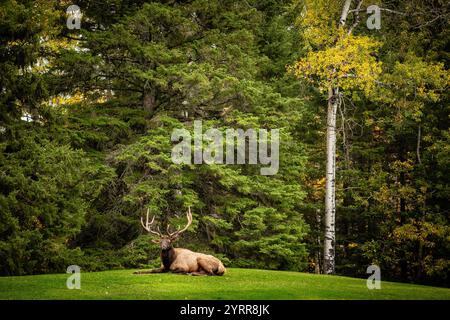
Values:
[(330, 197), (419, 134), (344, 13), (149, 100), (318, 266)]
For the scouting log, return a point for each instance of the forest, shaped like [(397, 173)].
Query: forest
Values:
[(89, 102)]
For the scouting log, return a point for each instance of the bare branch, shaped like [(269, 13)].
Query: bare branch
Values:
[(381, 9), (419, 133), (357, 19)]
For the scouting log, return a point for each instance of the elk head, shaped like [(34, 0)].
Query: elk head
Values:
[(165, 240)]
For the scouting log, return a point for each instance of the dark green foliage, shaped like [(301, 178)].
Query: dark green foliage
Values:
[(46, 189), (22, 26)]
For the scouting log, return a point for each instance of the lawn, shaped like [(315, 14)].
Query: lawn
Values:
[(236, 284)]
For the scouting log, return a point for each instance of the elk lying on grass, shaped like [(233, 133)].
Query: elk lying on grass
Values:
[(179, 260)]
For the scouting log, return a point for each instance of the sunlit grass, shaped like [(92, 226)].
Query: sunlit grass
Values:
[(236, 284)]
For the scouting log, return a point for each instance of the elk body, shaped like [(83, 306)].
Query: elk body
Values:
[(179, 260)]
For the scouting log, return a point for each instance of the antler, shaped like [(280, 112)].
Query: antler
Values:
[(147, 225), (178, 232)]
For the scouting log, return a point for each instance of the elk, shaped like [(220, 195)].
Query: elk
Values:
[(179, 260)]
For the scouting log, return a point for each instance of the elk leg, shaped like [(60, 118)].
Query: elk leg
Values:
[(157, 270), (179, 271), (197, 273), (206, 266)]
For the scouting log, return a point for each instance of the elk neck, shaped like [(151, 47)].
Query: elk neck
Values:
[(167, 257)]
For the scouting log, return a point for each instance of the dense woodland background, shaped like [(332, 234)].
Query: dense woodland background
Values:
[(86, 118)]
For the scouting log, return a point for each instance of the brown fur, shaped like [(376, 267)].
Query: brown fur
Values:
[(188, 262)]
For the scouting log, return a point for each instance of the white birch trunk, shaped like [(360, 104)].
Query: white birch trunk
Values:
[(330, 186), (330, 198)]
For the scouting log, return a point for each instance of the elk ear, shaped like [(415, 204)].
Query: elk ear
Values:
[(155, 241)]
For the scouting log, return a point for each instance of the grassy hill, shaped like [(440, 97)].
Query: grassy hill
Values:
[(236, 284)]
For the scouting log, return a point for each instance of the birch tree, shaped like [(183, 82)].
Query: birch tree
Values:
[(337, 61)]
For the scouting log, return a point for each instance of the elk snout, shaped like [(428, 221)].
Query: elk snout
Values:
[(165, 243)]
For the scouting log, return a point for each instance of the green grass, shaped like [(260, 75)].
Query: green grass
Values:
[(236, 284)]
